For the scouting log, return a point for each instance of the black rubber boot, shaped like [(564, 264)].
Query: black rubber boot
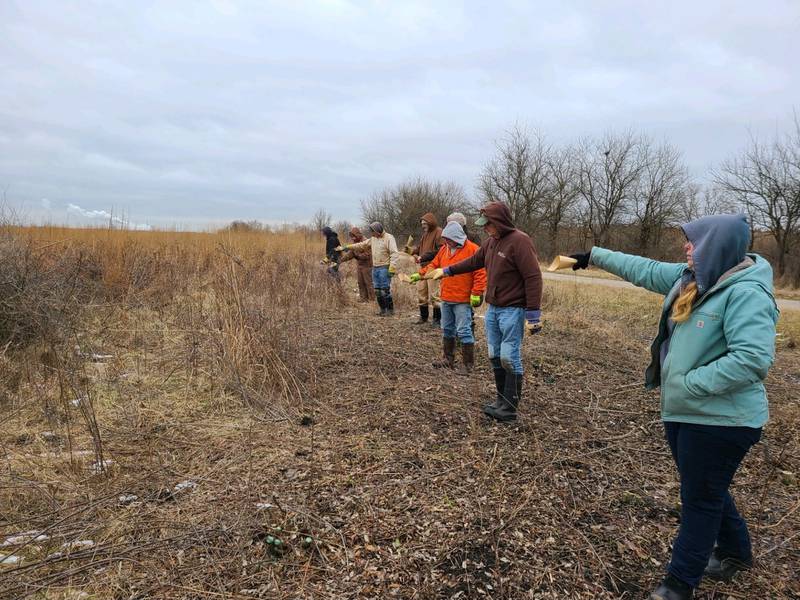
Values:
[(724, 568), (379, 298), (389, 305), (437, 317), (506, 410), (423, 314), (467, 359), (449, 354), (672, 588), (499, 383)]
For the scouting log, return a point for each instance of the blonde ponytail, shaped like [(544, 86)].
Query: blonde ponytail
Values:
[(682, 307)]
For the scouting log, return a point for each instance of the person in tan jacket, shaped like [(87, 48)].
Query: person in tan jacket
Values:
[(384, 254), (363, 258), (428, 291)]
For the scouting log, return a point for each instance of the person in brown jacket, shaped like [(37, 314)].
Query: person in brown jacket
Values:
[(363, 258), (428, 290), (513, 295)]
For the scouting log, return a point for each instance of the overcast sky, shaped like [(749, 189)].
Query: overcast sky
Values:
[(199, 112)]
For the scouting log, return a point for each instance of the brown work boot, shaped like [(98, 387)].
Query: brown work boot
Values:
[(467, 359), (449, 354)]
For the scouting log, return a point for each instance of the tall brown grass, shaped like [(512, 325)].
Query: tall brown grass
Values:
[(234, 311)]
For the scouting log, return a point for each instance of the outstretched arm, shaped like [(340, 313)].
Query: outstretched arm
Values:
[(650, 274), (473, 263)]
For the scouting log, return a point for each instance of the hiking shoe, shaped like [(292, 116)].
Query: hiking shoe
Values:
[(672, 588), (723, 568)]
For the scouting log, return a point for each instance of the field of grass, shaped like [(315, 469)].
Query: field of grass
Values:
[(171, 404)]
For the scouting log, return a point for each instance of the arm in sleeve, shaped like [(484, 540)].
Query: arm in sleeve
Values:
[(749, 327), (435, 263), (473, 263), (528, 266), (391, 247), (428, 256), (658, 277), (358, 245)]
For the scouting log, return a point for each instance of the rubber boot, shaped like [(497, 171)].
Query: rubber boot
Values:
[(499, 383), (437, 318), (381, 300), (467, 359), (389, 305), (506, 411), (672, 588), (449, 354), (723, 568), (423, 314)]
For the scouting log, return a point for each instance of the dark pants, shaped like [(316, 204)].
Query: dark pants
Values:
[(707, 457)]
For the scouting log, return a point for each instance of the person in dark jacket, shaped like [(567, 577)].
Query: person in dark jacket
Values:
[(363, 258), (332, 255), (513, 295), (715, 345), (428, 290)]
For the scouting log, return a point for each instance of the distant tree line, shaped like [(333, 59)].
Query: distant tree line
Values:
[(622, 190)]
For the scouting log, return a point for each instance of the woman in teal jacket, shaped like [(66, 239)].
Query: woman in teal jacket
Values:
[(715, 344)]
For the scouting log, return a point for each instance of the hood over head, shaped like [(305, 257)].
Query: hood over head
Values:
[(499, 215), (453, 231), (720, 243), (430, 219), (376, 227), (457, 217), (328, 232), (355, 232)]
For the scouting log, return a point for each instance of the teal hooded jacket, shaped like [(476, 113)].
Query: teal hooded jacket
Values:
[(713, 370)]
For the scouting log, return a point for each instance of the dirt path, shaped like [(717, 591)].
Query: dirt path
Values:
[(615, 283)]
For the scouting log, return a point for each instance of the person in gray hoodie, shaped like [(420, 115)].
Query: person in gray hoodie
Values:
[(715, 345)]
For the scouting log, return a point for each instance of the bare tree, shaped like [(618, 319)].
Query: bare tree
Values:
[(519, 176), (765, 178), (608, 171), (342, 227), (322, 218), (401, 207), (563, 191), (661, 192)]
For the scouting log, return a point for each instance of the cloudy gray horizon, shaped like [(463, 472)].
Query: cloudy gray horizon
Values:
[(192, 114)]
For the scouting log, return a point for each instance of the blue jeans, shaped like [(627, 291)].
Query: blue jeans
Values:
[(457, 320), (505, 326), (707, 457), (381, 279)]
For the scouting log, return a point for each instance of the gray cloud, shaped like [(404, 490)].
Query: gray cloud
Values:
[(202, 112)]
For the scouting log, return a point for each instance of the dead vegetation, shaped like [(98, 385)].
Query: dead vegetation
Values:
[(208, 396)]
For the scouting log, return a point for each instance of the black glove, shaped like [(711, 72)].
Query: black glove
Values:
[(583, 260)]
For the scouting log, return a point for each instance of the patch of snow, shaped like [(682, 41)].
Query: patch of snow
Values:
[(185, 485), (24, 537), (9, 560), (100, 466)]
